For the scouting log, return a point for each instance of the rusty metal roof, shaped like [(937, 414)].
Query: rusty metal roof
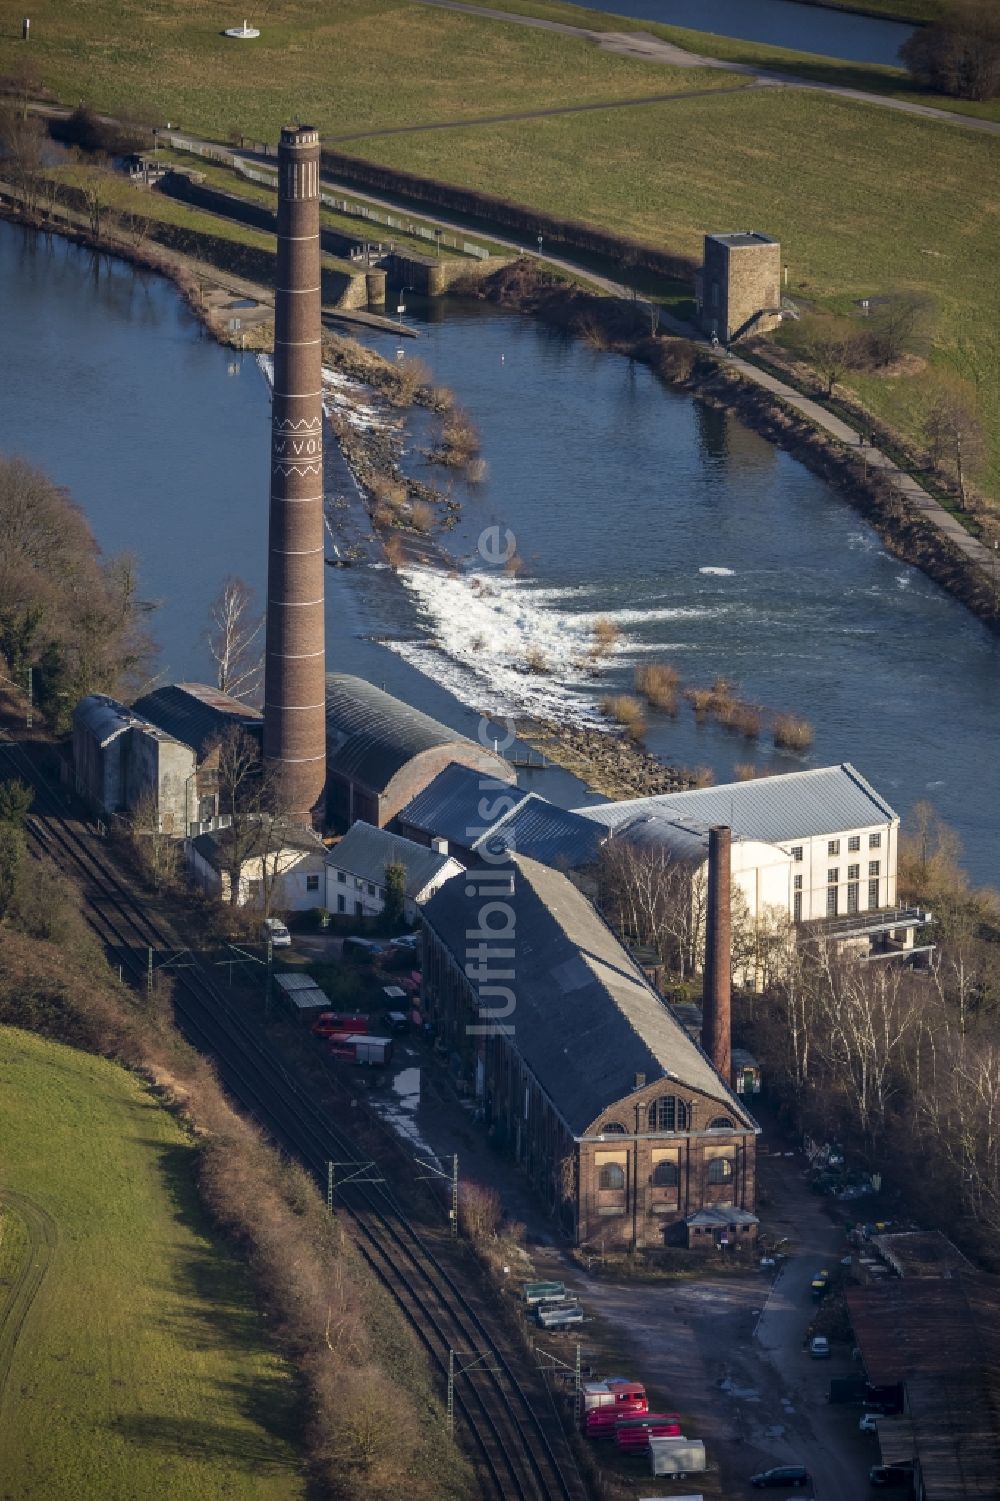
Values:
[(940, 1338), (196, 714)]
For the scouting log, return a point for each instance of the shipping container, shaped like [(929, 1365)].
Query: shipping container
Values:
[(558, 1315), (677, 1456), (371, 1052)]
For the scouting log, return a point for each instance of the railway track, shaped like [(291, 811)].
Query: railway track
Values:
[(507, 1415)]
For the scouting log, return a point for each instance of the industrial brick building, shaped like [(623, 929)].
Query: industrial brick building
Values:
[(739, 288), (618, 1118), (380, 753)]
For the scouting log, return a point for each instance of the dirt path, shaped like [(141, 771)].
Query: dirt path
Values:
[(640, 44), (16, 1300)]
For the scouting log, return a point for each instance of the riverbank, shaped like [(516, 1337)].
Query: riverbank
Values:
[(908, 532)]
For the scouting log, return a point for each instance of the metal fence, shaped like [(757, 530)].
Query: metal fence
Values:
[(345, 206)]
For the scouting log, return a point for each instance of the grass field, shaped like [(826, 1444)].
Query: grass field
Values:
[(863, 202), (343, 67), (140, 1368), (876, 78)]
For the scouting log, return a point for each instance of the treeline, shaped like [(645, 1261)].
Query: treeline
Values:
[(958, 54), (368, 1423), (571, 234), (903, 1066), (72, 616)]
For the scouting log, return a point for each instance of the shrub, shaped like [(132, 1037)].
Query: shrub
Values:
[(395, 553), (745, 771), (742, 717), (700, 699), (658, 683), (792, 733), (459, 440), (386, 491), (537, 661), (703, 776), (626, 711), (606, 636), (479, 1211), (421, 516)]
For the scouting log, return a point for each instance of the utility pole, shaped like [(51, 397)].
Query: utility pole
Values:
[(149, 971), (578, 1386), (28, 718), (454, 1197), (267, 977), (482, 1361), (329, 1187)]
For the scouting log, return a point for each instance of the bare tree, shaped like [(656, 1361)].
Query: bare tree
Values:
[(955, 437), (833, 346), (22, 140), (157, 849), (959, 53), (900, 323), (653, 900), (233, 636)]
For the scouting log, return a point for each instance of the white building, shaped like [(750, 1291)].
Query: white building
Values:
[(356, 866), (281, 869), (817, 846)]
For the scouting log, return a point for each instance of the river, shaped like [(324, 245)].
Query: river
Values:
[(706, 546), (779, 23)]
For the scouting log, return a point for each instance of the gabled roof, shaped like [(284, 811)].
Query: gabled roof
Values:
[(448, 807), (213, 847), (196, 713), (542, 831), (365, 852), (370, 735), (773, 810), (585, 1020)]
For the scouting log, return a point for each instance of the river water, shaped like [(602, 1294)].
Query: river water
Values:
[(780, 23), (705, 545)]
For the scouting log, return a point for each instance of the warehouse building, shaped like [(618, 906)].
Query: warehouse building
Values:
[(380, 753), (124, 765), (619, 1120), (815, 847), (199, 715)]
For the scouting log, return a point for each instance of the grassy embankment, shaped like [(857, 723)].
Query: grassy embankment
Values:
[(874, 78), (142, 1366), (865, 201)]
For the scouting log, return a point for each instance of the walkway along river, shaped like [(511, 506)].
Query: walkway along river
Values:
[(706, 546)]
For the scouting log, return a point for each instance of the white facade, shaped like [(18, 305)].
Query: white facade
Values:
[(354, 896), (295, 876)]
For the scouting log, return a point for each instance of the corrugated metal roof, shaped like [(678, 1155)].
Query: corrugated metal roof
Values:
[(196, 714), (370, 735), (544, 832), (104, 718), (774, 810), (269, 838), (365, 851), (651, 832), (448, 807), (585, 1021)]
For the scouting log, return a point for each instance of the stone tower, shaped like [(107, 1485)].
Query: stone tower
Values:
[(294, 671)]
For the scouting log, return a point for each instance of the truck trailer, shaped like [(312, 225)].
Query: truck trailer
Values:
[(677, 1456)]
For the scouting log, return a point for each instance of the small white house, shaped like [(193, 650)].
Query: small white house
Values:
[(281, 866), (356, 866)]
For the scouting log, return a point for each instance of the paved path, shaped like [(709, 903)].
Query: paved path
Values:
[(641, 44)]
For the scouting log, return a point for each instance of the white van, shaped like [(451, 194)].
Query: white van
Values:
[(274, 929)]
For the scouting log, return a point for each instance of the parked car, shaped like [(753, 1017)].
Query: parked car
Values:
[(274, 928), (890, 1476), (819, 1284), (361, 948), (768, 1480), (819, 1347), (868, 1422)]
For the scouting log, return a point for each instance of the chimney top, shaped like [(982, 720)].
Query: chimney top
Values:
[(640, 1080), (299, 135)]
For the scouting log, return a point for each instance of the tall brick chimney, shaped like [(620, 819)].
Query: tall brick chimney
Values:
[(716, 1027), (294, 668)]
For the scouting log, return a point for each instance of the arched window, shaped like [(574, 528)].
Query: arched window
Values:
[(720, 1170), (668, 1113), (721, 1123), (611, 1176), (665, 1175), (612, 1128)]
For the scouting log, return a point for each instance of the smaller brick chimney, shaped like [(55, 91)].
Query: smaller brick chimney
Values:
[(716, 1025)]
